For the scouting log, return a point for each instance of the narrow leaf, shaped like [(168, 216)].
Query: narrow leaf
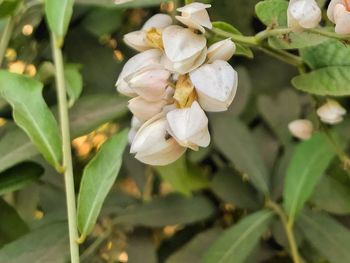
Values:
[(74, 82), (309, 162), (237, 242), (31, 113), (98, 178)]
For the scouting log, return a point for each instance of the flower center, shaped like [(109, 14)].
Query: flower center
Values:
[(346, 4), (185, 94), (154, 38)]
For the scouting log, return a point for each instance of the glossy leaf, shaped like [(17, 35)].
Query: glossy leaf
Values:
[(74, 82), (273, 13), (31, 113), (169, 210), (98, 178), (237, 242), (19, 176), (309, 162)]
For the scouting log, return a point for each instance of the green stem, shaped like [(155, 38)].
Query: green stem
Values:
[(66, 149), (271, 32), (288, 227), (5, 38), (329, 34), (283, 56), (249, 41)]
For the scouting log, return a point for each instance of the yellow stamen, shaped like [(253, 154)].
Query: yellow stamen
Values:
[(185, 94), (154, 38)]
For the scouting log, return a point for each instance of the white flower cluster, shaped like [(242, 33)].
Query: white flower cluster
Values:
[(173, 81)]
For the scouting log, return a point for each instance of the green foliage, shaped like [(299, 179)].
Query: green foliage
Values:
[(273, 13), (7, 7), (74, 82), (98, 178)]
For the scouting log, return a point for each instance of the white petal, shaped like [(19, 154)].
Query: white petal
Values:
[(342, 20), (195, 16), (145, 110), (158, 21), (135, 123), (216, 85), (303, 14), (131, 135), (189, 126), (301, 129), (330, 10), (181, 43), (136, 40), (222, 50), (331, 112)]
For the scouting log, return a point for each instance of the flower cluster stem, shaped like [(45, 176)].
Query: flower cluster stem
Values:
[(66, 149), (5, 38)]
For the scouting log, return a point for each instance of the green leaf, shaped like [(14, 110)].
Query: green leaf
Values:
[(309, 162), (332, 196), (11, 225), (240, 49), (273, 13), (7, 7), (58, 14), (46, 244), (169, 210), (328, 236), (231, 188), (332, 81), (237, 242), (235, 141), (31, 113), (98, 178), (183, 178), (121, 3), (19, 176), (74, 82)]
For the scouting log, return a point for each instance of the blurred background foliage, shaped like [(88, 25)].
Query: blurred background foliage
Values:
[(167, 214)]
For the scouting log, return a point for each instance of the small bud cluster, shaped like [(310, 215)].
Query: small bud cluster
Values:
[(174, 79)]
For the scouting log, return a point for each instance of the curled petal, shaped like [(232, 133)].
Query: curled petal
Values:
[(189, 126), (158, 21), (301, 129), (342, 20), (195, 16), (216, 85), (303, 14), (330, 9), (144, 110), (136, 40), (222, 50)]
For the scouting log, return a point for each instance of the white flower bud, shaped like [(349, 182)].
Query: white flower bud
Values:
[(216, 85), (137, 62), (222, 50), (145, 110), (341, 16), (303, 14), (331, 112), (330, 9), (138, 39), (195, 16), (301, 129), (153, 145), (184, 49), (189, 126)]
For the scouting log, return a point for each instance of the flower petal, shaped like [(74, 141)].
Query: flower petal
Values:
[(342, 20), (222, 50), (144, 110), (158, 21), (136, 40)]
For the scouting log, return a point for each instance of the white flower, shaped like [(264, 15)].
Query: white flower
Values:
[(138, 39), (331, 112), (134, 64), (189, 126), (303, 14), (184, 49), (301, 129), (153, 145), (144, 110), (195, 16), (135, 126), (216, 85), (222, 50), (339, 13)]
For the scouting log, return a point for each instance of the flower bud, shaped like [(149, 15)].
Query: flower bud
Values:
[(222, 50), (331, 112), (184, 49), (195, 16), (215, 84), (339, 13), (145, 110), (189, 126), (140, 40), (301, 129), (303, 14), (153, 145)]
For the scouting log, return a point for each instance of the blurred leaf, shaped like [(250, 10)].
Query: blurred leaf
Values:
[(98, 179), (74, 82), (238, 241), (296, 40), (19, 176), (43, 245), (169, 210), (235, 141), (333, 81), (7, 7), (332, 196), (279, 234), (11, 225), (182, 177), (58, 14), (309, 162), (240, 49), (273, 13), (121, 3), (31, 113), (141, 248), (46, 72), (231, 188), (194, 250), (327, 235)]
